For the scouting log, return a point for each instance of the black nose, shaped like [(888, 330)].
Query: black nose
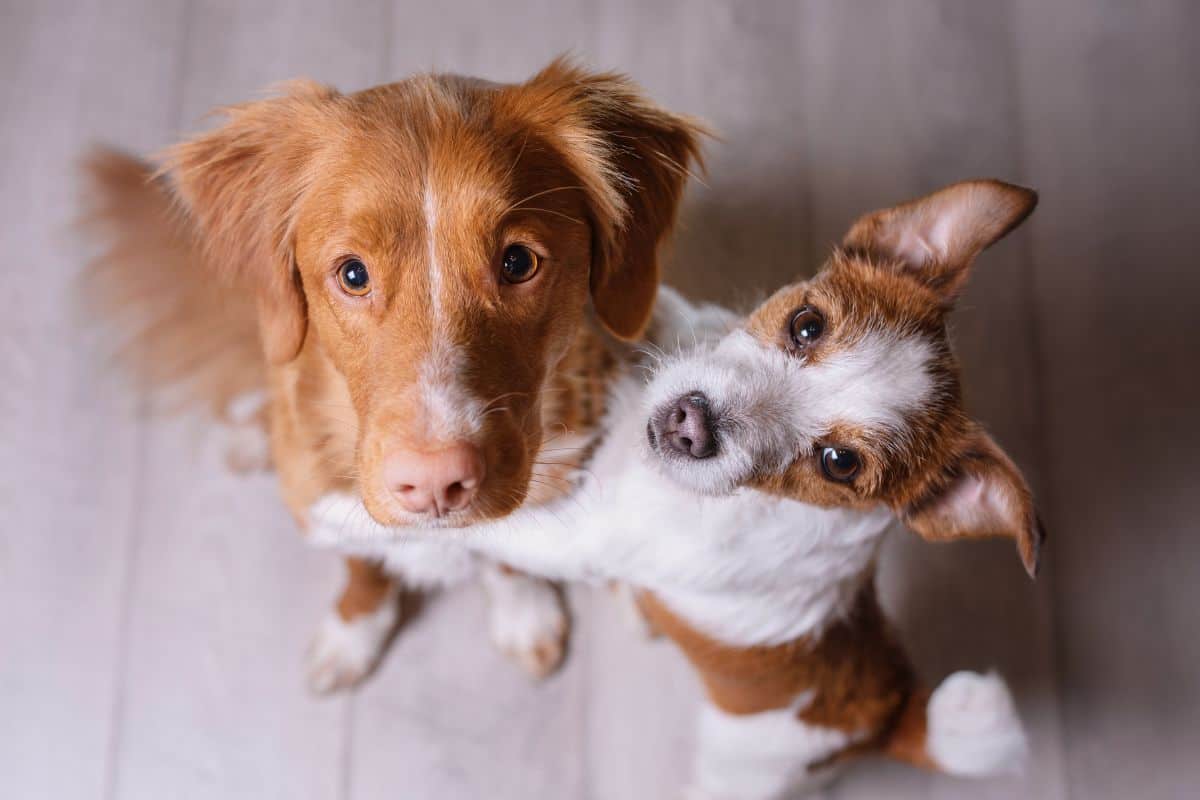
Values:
[(685, 426)]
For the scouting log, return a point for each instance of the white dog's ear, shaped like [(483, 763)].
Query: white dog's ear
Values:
[(935, 238), (981, 494)]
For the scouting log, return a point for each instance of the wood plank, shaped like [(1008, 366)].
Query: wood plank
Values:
[(226, 594), (1111, 105), (72, 453)]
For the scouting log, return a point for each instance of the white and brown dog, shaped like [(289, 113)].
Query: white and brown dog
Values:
[(745, 490)]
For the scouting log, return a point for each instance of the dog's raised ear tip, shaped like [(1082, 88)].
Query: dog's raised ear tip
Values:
[(1031, 550), (1024, 199)]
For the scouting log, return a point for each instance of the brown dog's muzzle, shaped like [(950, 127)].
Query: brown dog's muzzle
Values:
[(435, 482)]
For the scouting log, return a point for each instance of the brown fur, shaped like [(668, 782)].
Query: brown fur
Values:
[(859, 676), (578, 166), (872, 285)]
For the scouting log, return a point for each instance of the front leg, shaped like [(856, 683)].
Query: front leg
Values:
[(527, 618), (354, 635)]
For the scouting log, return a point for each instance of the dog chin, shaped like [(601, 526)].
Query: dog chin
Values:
[(389, 515), (703, 478)]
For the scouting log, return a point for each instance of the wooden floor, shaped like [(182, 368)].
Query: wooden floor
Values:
[(154, 610)]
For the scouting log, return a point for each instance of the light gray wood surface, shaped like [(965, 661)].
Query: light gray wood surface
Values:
[(154, 609)]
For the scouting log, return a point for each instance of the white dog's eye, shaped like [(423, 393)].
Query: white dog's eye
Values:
[(806, 327), (840, 464)]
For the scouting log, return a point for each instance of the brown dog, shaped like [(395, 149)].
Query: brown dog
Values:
[(434, 267)]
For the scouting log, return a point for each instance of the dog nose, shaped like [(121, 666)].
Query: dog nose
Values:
[(686, 427), (435, 482)]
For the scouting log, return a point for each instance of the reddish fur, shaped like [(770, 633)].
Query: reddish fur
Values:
[(578, 165)]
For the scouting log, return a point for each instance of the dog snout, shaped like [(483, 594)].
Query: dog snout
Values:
[(686, 427), (435, 482)]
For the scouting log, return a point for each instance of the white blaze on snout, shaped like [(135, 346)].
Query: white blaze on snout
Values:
[(771, 405), (451, 412), (873, 383)]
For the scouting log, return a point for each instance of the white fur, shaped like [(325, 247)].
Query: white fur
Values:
[(742, 566), (434, 268), (973, 727), (774, 405), (343, 653), (526, 619), (761, 756), (450, 411)]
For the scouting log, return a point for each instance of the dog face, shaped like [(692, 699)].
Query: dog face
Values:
[(843, 390), (439, 240)]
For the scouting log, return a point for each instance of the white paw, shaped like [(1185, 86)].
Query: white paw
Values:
[(973, 726), (527, 620), (343, 653)]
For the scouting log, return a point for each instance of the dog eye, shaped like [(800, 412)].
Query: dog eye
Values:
[(839, 464), (353, 279), (806, 327), (518, 264)]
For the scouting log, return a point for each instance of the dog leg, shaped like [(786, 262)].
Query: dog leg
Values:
[(763, 756), (354, 635), (527, 618), (967, 727)]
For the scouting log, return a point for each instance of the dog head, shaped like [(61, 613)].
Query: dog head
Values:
[(843, 390), (439, 240)]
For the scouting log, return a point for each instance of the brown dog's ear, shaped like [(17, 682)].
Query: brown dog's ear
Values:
[(981, 494), (633, 159), (240, 184), (935, 238)]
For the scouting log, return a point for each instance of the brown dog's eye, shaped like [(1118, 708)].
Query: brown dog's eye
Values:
[(518, 264), (352, 277), (839, 464), (806, 327)]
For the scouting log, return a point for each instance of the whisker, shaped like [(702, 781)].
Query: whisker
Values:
[(576, 220), (536, 195)]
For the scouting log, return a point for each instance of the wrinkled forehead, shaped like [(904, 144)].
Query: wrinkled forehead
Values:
[(880, 361), (857, 300)]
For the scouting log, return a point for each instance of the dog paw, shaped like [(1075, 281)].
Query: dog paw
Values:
[(527, 620), (973, 727), (343, 653)]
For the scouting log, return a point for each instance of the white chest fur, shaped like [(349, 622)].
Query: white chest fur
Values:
[(747, 568)]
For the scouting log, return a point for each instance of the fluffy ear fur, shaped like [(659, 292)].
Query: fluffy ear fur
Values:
[(935, 238), (633, 159), (240, 185), (981, 494)]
